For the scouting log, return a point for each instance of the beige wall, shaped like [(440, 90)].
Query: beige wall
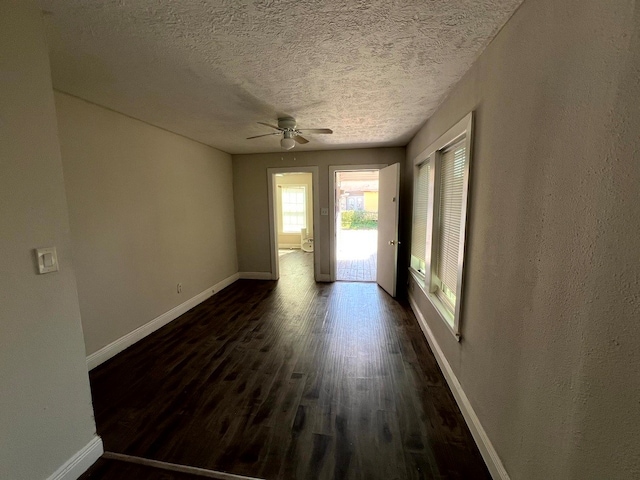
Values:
[(294, 179), (550, 356), (45, 403), (250, 194), (148, 210)]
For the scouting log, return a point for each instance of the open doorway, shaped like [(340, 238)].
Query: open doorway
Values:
[(355, 224), (292, 197)]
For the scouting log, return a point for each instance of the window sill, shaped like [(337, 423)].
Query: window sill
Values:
[(419, 278), (443, 312)]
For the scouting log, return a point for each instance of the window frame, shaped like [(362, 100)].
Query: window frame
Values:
[(428, 282)]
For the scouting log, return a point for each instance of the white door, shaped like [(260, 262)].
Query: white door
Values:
[(388, 194)]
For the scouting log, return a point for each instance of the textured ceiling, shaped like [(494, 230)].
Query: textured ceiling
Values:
[(373, 71)]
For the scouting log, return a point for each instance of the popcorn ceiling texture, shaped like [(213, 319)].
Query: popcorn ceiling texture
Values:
[(373, 70)]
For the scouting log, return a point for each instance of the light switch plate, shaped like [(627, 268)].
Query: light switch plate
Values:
[(47, 260)]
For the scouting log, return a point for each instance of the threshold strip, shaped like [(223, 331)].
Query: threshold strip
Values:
[(174, 467)]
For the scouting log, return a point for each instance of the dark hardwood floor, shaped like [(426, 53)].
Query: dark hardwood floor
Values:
[(287, 380)]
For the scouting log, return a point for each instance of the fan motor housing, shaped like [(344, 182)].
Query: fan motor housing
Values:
[(287, 122)]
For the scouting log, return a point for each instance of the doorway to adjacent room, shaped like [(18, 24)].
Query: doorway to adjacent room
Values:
[(293, 199)]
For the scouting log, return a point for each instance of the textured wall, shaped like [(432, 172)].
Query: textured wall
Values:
[(45, 402), (250, 194), (549, 357), (148, 209)]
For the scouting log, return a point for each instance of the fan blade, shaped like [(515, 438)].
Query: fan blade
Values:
[(315, 130), (265, 135), (269, 125), (301, 140)]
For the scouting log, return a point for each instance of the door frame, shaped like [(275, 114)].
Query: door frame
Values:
[(332, 207), (273, 218)]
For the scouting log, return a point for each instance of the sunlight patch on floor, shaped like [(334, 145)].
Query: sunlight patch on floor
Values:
[(357, 253)]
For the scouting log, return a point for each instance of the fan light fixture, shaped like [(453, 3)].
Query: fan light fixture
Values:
[(287, 143), (291, 134)]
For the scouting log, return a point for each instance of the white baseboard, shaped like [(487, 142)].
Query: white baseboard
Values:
[(108, 351), (491, 458), (80, 462), (289, 245), (221, 285), (255, 275), (175, 467), (323, 277)]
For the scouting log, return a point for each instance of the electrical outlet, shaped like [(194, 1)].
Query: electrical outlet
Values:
[(179, 288)]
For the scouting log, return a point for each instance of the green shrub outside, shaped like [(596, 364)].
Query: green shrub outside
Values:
[(359, 220)]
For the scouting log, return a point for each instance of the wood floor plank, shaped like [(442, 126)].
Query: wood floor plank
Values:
[(288, 379)]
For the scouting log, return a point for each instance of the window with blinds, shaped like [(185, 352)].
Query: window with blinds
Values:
[(420, 218), (294, 212), (451, 183), (439, 221)]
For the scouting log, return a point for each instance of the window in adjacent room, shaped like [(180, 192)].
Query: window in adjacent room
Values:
[(439, 220), (294, 211)]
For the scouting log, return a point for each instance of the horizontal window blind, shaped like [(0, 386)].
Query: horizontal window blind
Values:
[(451, 184), (420, 217)]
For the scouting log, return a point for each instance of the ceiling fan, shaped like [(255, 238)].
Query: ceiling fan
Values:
[(290, 132)]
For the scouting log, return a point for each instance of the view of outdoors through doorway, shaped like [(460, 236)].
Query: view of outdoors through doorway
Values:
[(356, 225)]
